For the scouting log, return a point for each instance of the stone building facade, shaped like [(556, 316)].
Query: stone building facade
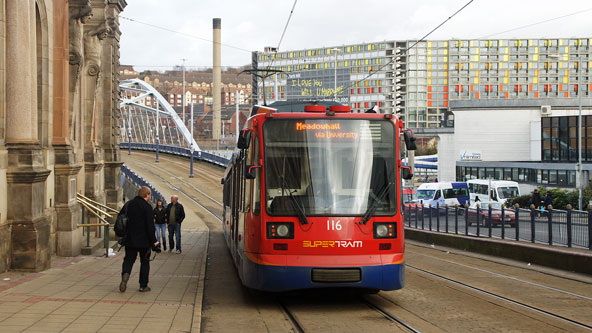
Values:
[(59, 91)]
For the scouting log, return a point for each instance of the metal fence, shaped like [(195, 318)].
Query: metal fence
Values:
[(215, 158), (139, 181), (571, 228)]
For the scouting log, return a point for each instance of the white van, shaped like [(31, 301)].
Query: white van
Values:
[(443, 193), (493, 190)]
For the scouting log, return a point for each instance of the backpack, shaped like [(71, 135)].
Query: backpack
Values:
[(120, 227)]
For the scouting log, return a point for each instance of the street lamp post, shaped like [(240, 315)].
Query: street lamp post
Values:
[(157, 130), (335, 50), (579, 164), (579, 167), (191, 148)]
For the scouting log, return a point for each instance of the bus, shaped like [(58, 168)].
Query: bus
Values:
[(493, 190), (443, 193)]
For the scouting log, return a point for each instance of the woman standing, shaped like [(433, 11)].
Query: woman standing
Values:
[(160, 223)]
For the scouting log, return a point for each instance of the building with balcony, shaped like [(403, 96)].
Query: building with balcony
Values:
[(419, 79)]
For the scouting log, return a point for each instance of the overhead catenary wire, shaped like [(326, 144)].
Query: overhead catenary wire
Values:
[(537, 23), (410, 47), (283, 34), (182, 33)]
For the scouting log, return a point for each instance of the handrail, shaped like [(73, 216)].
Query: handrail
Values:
[(95, 214), (92, 207), (97, 203)]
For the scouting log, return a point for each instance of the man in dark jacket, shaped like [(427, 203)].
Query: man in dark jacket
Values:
[(536, 198), (139, 238), (175, 214)]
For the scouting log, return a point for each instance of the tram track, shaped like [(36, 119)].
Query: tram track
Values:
[(388, 314), (291, 317), (502, 298), (178, 188)]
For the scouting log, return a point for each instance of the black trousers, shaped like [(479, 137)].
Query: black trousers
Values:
[(128, 262)]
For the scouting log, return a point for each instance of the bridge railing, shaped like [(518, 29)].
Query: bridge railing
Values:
[(139, 181), (571, 228), (214, 158)]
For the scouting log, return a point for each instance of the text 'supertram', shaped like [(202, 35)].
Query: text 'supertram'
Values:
[(312, 199)]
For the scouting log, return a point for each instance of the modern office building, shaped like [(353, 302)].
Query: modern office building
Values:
[(418, 80)]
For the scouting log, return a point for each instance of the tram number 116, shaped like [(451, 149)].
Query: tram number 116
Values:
[(333, 225)]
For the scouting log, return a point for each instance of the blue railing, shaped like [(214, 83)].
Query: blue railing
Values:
[(180, 151), (571, 228), (139, 181)]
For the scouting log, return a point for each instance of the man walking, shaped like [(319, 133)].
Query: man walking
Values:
[(139, 238), (175, 214)]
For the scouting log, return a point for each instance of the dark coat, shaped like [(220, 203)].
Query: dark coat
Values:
[(140, 224), (536, 199), (179, 213), (159, 216), (548, 201)]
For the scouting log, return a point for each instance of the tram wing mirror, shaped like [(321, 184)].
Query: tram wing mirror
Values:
[(409, 140), (251, 171), (244, 139), (406, 172)]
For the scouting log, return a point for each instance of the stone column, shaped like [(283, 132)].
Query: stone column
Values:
[(111, 113), (68, 212), (26, 173), (92, 90)]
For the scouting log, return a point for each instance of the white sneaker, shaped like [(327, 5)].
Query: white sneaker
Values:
[(178, 251)]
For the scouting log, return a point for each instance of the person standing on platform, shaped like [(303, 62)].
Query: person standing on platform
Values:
[(548, 200), (175, 214), (160, 223), (139, 238)]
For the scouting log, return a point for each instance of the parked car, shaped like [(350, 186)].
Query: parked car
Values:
[(496, 214)]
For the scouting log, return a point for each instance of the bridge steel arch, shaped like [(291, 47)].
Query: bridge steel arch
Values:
[(147, 116)]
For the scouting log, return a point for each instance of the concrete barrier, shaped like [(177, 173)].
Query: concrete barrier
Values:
[(574, 260)]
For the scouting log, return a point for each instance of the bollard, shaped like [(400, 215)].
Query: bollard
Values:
[(446, 209), (550, 224), (517, 221), (456, 219), (532, 211), (503, 222), (490, 224), (437, 216), (569, 211), (466, 220)]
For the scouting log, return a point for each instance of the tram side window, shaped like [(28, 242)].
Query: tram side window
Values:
[(257, 181), (226, 190), (247, 182)]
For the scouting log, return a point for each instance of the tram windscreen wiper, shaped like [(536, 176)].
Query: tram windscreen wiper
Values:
[(299, 210), (375, 203)]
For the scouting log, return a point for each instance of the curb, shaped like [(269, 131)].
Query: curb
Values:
[(569, 259), (198, 305)]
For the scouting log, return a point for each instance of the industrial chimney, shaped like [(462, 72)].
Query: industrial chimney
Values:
[(216, 91)]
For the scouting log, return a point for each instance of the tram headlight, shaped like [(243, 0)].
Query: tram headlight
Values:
[(281, 230), (385, 230)]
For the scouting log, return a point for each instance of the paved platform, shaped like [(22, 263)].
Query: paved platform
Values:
[(82, 294)]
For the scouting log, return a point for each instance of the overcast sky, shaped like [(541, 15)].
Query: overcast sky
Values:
[(250, 25)]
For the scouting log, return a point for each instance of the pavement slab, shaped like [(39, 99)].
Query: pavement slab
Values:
[(82, 294)]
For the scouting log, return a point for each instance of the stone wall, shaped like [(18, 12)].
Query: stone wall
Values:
[(57, 106)]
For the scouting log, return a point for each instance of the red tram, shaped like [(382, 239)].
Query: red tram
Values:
[(312, 199)]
